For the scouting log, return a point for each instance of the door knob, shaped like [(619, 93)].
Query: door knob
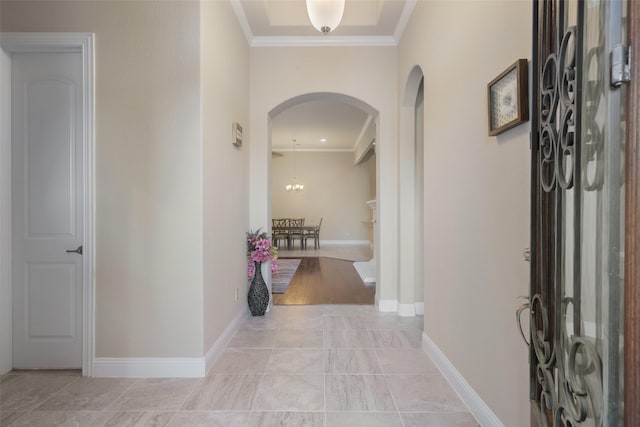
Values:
[(77, 250), (526, 253)]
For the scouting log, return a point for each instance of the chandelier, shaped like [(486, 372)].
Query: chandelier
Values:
[(294, 185), (325, 15)]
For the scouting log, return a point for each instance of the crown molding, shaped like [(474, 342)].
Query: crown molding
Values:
[(316, 41), (404, 19), (313, 150)]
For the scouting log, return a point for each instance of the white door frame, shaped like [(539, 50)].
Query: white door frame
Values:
[(84, 44)]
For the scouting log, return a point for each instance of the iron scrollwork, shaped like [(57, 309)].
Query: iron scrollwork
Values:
[(541, 338), (576, 398), (545, 354), (568, 367), (593, 134), (583, 385), (581, 398), (557, 138)]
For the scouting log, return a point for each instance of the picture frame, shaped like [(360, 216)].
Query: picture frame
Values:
[(508, 98)]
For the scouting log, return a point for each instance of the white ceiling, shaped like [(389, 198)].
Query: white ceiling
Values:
[(286, 23), (341, 124)]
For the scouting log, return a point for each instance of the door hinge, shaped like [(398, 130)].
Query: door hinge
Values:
[(620, 65)]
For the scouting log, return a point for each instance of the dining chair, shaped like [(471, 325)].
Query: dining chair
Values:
[(313, 234), (279, 230), (295, 232)]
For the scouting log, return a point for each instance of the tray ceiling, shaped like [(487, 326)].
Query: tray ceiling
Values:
[(285, 22)]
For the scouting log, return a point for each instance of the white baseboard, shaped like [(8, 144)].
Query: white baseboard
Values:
[(388, 305), (167, 367), (222, 341), (149, 367), (343, 242), (407, 310), (478, 408), (403, 310)]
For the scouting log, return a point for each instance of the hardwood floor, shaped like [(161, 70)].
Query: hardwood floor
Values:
[(346, 252), (326, 281)]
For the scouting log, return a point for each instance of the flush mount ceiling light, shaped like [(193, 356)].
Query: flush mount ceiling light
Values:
[(325, 15)]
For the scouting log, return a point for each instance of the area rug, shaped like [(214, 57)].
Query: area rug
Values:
[(286, 269)]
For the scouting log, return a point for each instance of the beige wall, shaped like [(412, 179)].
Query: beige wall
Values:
[(335, 190), (476, 194), (148, 168), (365, 73), (225, 99)]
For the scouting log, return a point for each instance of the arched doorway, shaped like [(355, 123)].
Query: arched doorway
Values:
[(411, 281), (343, 222)]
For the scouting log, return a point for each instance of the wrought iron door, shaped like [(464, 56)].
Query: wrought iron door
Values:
[(577, 221)]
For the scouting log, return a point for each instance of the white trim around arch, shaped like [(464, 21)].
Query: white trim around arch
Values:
[(83, 43), (408, 279)]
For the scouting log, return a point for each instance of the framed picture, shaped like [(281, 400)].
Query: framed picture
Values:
[(508, 98)]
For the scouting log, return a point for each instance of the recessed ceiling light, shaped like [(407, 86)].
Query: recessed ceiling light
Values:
[(323, 139)]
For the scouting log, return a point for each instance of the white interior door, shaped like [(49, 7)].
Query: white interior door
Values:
[(47, 209)]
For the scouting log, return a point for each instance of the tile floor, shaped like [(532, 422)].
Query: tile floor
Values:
[(325, 366)]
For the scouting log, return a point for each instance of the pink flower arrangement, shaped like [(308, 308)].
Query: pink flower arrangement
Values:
[(259, 250)]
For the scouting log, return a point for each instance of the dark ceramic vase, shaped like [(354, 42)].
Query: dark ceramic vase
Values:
[(258, 296)]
